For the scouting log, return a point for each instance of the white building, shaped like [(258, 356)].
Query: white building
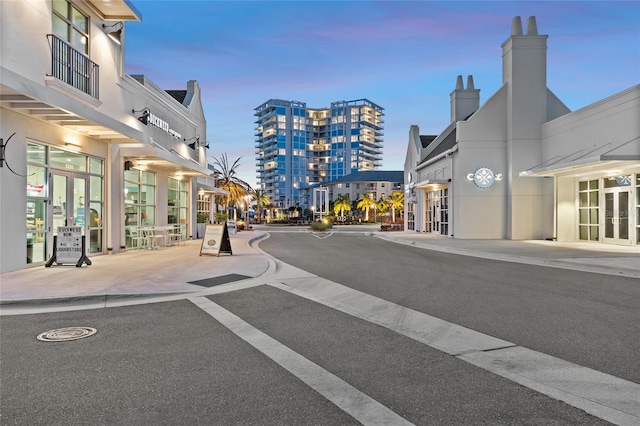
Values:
[(375, 183), (523, 166), (85, 144)]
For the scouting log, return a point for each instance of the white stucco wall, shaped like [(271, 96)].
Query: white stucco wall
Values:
[(480, 212), (610, 121), (118, 95), (566, 209)]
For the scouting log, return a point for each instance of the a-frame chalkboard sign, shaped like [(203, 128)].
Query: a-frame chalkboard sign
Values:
[(216, 240)]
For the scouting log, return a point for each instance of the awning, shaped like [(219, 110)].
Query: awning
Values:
[(156, 157), (205, 188), (431, 183), (610, 155), (115, 10)]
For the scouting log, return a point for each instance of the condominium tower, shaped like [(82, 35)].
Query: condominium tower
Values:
[(297, 146)]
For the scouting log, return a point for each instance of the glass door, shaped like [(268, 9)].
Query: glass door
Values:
[(68, 199), (617, 197)]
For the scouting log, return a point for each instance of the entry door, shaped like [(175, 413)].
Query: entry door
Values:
[(68, 201), (616, 216), (436, 213)]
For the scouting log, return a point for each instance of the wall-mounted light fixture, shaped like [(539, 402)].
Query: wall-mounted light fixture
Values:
[(196, 142), (144, 118), (115, 35), (128, 165), (3, 145)]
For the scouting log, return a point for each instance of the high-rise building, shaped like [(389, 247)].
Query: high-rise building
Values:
[(298, 146)]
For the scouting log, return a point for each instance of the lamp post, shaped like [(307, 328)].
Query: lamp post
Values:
[(247, 200)]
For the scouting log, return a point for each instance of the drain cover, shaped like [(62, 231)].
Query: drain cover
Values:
[(68, 333), (223, 279)]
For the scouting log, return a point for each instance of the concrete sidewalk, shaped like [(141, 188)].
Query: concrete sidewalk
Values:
[(588, 257), (169, 271)]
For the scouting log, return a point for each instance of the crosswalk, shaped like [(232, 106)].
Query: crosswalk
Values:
[(599, 394), (352, 401)]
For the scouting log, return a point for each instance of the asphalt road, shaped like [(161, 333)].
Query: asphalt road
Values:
[(264, 356), (589, 319), (172, 364)]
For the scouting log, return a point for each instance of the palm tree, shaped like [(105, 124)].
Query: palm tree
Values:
[(225, 177), (396, 200), (260, 197), (382, 205), (365, 202), (342, 204)]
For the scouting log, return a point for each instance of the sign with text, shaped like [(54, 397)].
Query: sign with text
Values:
[(69, 244), (216, 240)]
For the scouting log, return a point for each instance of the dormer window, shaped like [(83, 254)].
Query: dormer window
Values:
[(71, 25)]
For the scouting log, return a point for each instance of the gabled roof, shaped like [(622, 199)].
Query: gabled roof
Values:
[(178, 95), (425, 140), (447, 141), (367, 176)]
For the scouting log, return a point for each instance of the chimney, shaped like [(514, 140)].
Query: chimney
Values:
[(524, 77), (524, 57), (464, 101)]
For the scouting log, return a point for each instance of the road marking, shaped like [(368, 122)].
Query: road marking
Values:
[(602, 395), (321, 236), (355, 403)]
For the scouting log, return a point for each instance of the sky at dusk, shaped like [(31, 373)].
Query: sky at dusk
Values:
[(402, 55)]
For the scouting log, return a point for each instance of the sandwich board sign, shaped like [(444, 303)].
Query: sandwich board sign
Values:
[(69, 247), (216, 240)]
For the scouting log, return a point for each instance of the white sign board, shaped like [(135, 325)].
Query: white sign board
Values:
[(69, 244), (216, 240), (212, 240)]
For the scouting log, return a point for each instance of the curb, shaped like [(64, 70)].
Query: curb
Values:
[(551, 263)]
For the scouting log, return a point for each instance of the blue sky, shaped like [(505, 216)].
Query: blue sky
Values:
[(403, 55)]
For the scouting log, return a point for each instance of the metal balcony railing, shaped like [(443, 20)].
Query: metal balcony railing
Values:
[(73, 67)]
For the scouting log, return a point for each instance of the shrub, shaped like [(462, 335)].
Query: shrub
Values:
[(320, 226), (202, 217), (220, 217)]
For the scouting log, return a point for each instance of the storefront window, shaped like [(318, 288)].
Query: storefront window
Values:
[(411, 217), (36, 235), (96, 209), (95, 166), (36, 213), (204, 206), (437, 212), (36, 181), (178, 204), (67, 160), (588, 210), (70, 196), (36, 153), (139, 202)]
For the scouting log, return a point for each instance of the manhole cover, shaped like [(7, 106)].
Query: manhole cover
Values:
[(68, 333)]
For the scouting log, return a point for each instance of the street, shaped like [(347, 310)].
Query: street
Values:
[(590, 319), (300, 350)]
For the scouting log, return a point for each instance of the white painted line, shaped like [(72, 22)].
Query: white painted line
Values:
[(602, 395), (355, 403), (607, 397), (321, 236), (445, 336)]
